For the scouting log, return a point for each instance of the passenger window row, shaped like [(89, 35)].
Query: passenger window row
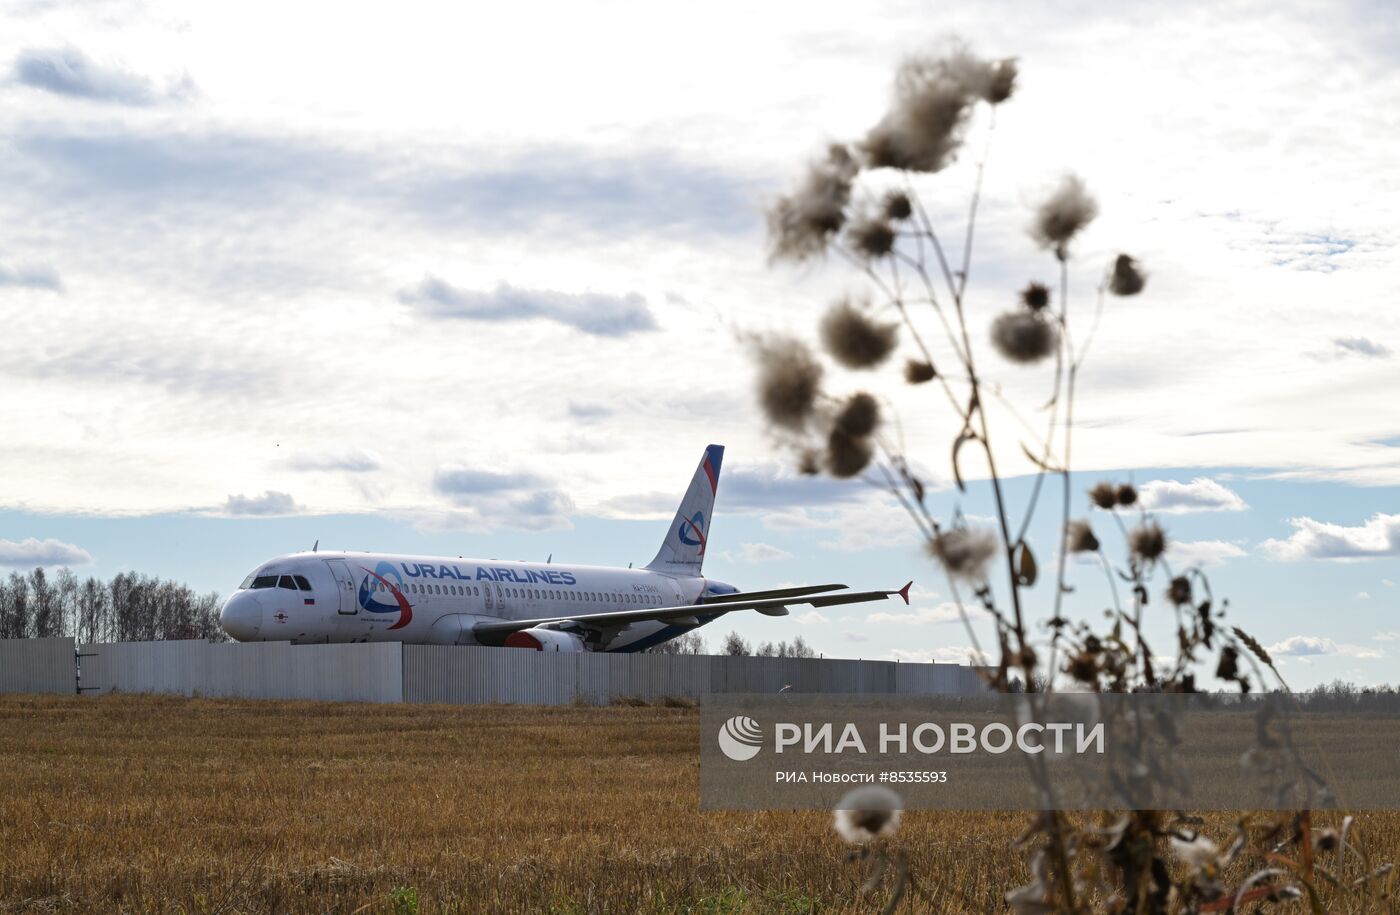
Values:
[(450, 590), (299, 583), (594, 596)]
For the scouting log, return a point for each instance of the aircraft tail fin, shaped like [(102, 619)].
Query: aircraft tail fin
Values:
[(683, 550)]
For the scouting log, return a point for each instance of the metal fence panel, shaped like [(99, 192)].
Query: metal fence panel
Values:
[(389, 672), (38, 666), (261, 670), (475, 674)]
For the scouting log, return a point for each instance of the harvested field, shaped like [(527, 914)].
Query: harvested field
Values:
[(145, 803)]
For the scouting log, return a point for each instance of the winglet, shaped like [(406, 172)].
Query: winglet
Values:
[(904, 592)]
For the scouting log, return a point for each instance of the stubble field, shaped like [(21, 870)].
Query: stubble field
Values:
[(143, 803)]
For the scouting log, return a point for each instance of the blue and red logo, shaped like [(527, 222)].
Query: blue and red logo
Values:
[(378, 582), (714, 456), (695, 523)]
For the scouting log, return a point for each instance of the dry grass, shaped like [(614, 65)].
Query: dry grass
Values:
[(165, 804)]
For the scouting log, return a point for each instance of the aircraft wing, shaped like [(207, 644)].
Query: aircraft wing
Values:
[(494, 633), (776, 592)]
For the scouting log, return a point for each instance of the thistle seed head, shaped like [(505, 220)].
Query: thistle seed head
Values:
[(847, 455), (964, 552), (1063, 214), (992, 81), (800, 224), (859, 415), (1024, 336), (866, 813), (871, 238), (917, 372), (923, 129), (897, 206), (1104, 495), (1083, 667), (1148, 541), (789, 378), (1002, 81), (854, 339), (1079, 538), (1128, 278), (1179, 591), (1035, 296)]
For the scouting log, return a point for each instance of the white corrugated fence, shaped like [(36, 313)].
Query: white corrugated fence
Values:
[(37, 666), (390, 672)]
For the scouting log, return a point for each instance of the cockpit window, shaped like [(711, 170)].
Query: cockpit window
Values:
[(265, 581), (247, 582), (286, 582), (302, 583)]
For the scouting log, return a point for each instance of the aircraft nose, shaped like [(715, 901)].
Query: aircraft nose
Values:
[(241, 616)]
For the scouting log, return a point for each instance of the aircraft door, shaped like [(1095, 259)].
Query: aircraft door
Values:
[(488, 605), (345, 584)]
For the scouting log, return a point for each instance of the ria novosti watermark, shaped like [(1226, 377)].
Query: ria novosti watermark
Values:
[(1065, 751), (741, 737)]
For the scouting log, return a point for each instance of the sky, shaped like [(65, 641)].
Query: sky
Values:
[(474, 281)]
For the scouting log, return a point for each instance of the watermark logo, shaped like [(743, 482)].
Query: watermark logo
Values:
[(740, 738)]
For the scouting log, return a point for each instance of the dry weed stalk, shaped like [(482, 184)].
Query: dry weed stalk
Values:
[(862, 202)]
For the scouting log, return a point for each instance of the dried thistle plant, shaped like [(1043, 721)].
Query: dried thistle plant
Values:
[(1142, 861), (855, 339)]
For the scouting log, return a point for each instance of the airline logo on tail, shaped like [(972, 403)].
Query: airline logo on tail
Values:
[(368, 594), (696, 523), (683, 548)]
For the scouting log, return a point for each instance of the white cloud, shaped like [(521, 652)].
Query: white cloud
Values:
[(330, 224), (1361, 347), (861, 518), (490, 499), (1378, 537), (875, 523), (854, 637), (917, 616), (761, 552), (1363, 595), (1386, 637), (1203, 553), (32, 552), (786, 498), (593, 313), (1304, 646), (70, 72), (30, 276), (1172, 497), (810, 617), (269, 503), (1387, 582), (349, 460)]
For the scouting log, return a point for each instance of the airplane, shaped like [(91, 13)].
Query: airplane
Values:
[(321, 596)]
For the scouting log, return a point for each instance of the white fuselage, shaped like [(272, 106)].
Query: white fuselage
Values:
[(377, 597)]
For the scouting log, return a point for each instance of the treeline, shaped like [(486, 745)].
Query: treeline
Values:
[(1339, 696), (734, 645), (131, 607)]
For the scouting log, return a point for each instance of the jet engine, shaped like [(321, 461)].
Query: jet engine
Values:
[(545, 640)]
